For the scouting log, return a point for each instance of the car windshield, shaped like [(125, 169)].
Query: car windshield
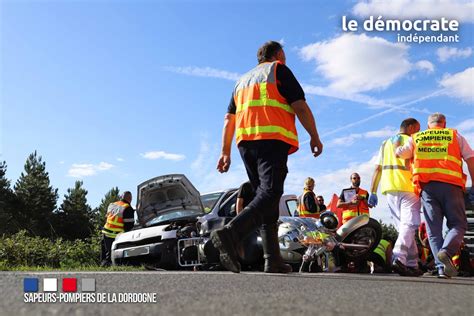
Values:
[(209, 200), (173, 215)]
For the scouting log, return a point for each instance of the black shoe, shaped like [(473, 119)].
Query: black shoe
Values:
[(415, 271), (403, 270), (271, 250), (223, 241)]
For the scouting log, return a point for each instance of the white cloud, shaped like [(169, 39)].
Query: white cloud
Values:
[(205, 72), (152, 155), (424, 65), (119, 159), (353, 97), (460, 85), (460, 10), (86, 170), (444, 53), (357, 63), (466, 126), (352, 138)]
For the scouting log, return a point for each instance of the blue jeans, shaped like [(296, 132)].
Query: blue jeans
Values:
[(440, 200)]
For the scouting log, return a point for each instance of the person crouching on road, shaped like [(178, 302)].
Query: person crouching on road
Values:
[(353, 200), (439, 179), (396, 182), (119, 218), (307, 206)]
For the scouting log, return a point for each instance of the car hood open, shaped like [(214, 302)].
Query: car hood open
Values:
[(167, 193)]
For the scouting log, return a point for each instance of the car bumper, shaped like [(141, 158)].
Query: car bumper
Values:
[(162, 254)]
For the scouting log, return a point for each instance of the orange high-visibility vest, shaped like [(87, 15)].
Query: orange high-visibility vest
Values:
[(262, 112), (349, 212), (437, 157), (114, 224), (302, 210)]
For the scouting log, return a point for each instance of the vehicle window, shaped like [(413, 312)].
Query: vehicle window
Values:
[(226, 209), (210, 200), (291, 206)]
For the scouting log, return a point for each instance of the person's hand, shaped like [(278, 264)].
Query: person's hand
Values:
[(223, 164), (316, 146), (373, 200)]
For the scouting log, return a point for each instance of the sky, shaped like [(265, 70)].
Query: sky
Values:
[(114, 93)]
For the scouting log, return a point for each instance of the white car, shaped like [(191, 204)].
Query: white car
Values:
[(167, 208)]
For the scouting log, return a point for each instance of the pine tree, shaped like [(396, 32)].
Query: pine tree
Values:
[(74, 217), (112, 196), (37, 197), (9, 216)]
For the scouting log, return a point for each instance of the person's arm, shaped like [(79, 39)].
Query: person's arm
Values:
[(405, 151), (128, 219), (470, 167), (305, 116), (239, 205), (223, 164)]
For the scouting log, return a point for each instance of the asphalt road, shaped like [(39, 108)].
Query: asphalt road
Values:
[(224, 293)]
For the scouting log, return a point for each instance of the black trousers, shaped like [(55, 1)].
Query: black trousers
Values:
[(265, 162), (106, 250)]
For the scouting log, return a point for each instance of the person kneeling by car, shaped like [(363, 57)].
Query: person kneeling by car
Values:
[(119, 219)]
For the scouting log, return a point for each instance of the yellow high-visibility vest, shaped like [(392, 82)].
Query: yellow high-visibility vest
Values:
[(396, 172)]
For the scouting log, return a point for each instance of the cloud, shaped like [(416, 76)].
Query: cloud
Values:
[(357, 63), (86, 170), (205, 72), (424, 65), (445, 53), (460, 10), (353, 97), (352, 138), (466, 126), (120, 159), (153, 155), (460, 85)]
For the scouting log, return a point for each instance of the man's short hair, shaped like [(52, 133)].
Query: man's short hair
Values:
[(127, 195), (408, 122), (268, 51), (436, 118)]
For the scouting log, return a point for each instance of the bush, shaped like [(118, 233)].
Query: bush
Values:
[(22, 250)]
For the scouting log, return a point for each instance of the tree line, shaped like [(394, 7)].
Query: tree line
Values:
[(31, 205)]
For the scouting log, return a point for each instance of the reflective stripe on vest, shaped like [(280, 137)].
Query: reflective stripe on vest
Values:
[(302, 210), (396, 172), (114, 224), (355, 210), (437, 158), (262, 112), (381, 249)]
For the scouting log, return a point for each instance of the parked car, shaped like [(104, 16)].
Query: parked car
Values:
[(167, 209)]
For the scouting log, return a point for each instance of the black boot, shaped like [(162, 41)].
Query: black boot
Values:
[(271, 250), (227, 238)]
